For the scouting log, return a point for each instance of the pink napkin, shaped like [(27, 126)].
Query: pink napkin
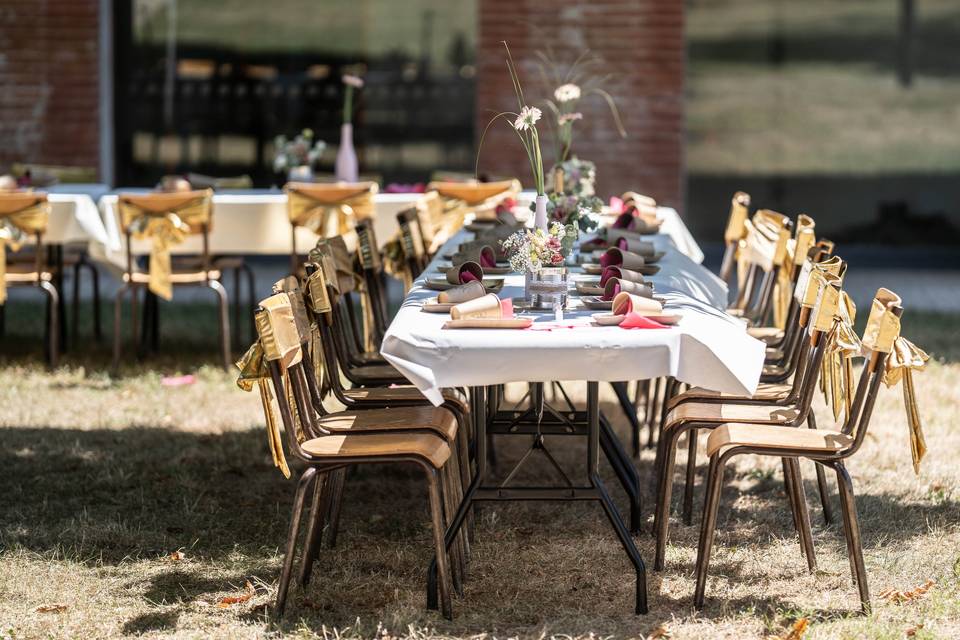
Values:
[(606, 260), (613, 294), (622, 244), (616, 204), (609, 272), (636, 321), (466, 276), (624, 220), (487, 259), (506, 307)]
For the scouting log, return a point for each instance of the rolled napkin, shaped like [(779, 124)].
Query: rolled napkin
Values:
[(619, 258), (485, 257), (488, 306), (638, 321), (625, 303), (635, 245), (645, 205), (464, 292), (474, 246), (614, 286), (627, 221), (622, 274), (467, 272)]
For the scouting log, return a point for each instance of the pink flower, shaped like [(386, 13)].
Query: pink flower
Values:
[(557, 258)]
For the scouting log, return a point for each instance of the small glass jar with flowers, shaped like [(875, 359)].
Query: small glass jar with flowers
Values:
[(540, 255)]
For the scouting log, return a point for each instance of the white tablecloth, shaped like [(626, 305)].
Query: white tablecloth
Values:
[(248, 224), (707, 348), (74, 219)]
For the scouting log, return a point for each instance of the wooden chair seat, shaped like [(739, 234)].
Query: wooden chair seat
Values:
[(766, 391), (720, 412), (435, 419), (193, 277), (27, 277), (406, 394), (380, 445), (812, 441), (370, 358), (769, 335), (773, 354)]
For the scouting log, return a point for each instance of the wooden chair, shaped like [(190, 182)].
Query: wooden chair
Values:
[(827, 448), (792, 411), (735, 232), (317, 351), (326, 209), (25, 214), (760, 258), (167, 219), (411, 241), (326, 443)]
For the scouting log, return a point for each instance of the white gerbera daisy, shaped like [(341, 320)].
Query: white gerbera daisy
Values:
[(353, 81), (567, 92), (527, 118)]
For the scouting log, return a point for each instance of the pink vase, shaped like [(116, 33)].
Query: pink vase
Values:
[(346, 164)]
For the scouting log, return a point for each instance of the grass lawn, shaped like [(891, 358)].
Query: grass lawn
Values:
[(104, 478)]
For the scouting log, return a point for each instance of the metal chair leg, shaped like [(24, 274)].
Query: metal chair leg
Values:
[(302, 485), (806, 535), (708, 527), (95, 280), (852, 532), (653, 393), (822, 486), (459, 560), (443, 566), (791, 494), (691, 476), (224, 321), (75, 305), (53, 328), (338, 479), (314, 530), (668, 454), (118, 325)]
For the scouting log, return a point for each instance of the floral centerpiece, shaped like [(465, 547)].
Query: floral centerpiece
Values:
[(347, 167), (524, 124), (297, 158), (573, 210), (540, 255)]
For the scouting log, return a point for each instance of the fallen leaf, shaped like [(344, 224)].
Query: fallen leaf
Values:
[(228, 601), (177, 556), (912, 631), (796, 631), (663, 631), (899, 597), (51, 608)]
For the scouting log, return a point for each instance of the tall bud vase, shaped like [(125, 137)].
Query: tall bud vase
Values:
[(540, 217), (346, 164)]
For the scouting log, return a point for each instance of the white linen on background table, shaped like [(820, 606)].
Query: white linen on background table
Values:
[(249, 224), (708, 348), (74, 219)]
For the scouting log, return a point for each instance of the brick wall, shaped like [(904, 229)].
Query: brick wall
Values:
[(641, 42), (49, 82)]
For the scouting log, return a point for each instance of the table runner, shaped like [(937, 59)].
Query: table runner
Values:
[(708, 348)]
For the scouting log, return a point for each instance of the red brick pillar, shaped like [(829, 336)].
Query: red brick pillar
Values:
[(642, 44), (49, 92)]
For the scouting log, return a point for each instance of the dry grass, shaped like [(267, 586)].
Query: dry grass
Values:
[(104, 478)]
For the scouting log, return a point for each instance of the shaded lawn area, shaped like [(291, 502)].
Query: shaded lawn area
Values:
[(103, 478)]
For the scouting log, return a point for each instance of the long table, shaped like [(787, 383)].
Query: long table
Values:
[(707, 348)]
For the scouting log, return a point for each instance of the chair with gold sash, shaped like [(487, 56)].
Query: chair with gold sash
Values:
[(735, 232), (24, 216), (326, 209), (167, 220), (789, 408), (760, 257), (481, 198), (328, 442), (889, 358)]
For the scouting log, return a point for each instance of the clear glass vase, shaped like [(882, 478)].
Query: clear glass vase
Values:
[(547, 288)]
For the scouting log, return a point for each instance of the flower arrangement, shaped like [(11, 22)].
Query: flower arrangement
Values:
[(579, 177), (351, 83), (574, 211), (524, 124), (573, 83), (302, 151), (531, 250)]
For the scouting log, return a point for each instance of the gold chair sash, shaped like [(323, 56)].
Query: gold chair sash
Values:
[(795, 253), (836, 369), (166, 219), (21, 213), (253, 371), (904, 359), (313, 205), (474, 193), (739, 211)]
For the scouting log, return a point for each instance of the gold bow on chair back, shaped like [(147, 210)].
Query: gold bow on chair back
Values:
[(479, 197), (793, 257), (882, 334), (316, 206), (166, 219), (736, 224), (22, 213), (278, 341), (764, 244)]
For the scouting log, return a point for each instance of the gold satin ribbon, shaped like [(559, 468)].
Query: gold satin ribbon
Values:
[(20, 214), (314, 205), (253, 371), (836, 369), (333, 254), (904, 359), (795, 253), (882, 334), (739, 211), (166, 219)]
